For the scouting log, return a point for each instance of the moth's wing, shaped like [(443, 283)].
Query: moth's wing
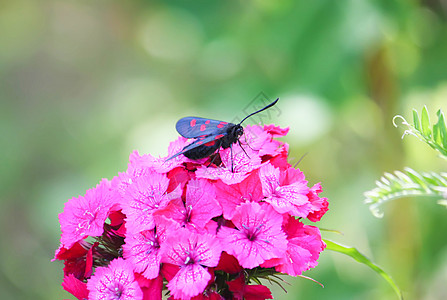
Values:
[(204, 141), (194, 127)]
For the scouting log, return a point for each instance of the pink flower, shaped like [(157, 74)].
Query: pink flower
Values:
[(179, 177), (193, 253), (237, 165), (75, 287), (257, 237), (78, 260), (208, 295), (303, 249), (85, 215), (151, 288), (285, 190), (260, 138), (199, 208), (203, 229), (228, 263), (143, 196), (230, 196), (116, 281), (139, 165), (280, 160), (276, 130), (319, 205), (162, 165), (117, 223), (142, 249), (241, 290)]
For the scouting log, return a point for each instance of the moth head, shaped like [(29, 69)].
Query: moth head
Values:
[(239, 131)]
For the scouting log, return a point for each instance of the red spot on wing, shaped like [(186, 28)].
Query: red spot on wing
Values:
[(210, 143), (221, 124), (207, 121), (202, 127), (200, 143), (193, 122), (218, 136)]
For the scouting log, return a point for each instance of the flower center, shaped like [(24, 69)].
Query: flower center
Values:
[(116, 291), (89, 218), (188, 213), (252, 233)]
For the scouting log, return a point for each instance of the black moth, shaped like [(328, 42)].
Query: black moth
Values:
[(210, 134)]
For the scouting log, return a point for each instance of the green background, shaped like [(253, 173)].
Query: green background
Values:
[(83, 83)]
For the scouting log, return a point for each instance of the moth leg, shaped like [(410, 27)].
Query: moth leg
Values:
[(246, 143), (214, 158), (231, 148), (243, 148)]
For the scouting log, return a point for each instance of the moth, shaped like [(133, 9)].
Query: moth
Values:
[(210, 135)]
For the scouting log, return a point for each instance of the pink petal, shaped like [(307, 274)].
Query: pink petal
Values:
[(115, 280), (230, 196), (258, 235), (145, 195), (142, 250), (285, 191), (201, 197), (235, 167), (75, 287), (189, 282), (85, 215)]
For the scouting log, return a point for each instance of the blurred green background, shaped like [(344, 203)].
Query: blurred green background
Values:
[(83, 83)]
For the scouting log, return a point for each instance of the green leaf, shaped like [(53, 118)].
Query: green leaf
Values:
[(416, 122), (355, 254), (435, 136), (405, 184), (330, 230), (442, 128), (425, 122)]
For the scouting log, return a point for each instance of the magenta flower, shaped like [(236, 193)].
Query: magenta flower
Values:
[(161, 165), (303, 249), (260, 138), (85, 215), (151, 288), (139, 165), (145, 195), (143, 251), (236, 167), (286, 190), (116, 281), (230, 196), (75, 287), (257, 237), (193, 253), (202, 229), (242, 291), (199, 208), (319, 205)]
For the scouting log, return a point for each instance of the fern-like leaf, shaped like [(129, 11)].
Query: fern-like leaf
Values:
[(435, 136), (406, 184)]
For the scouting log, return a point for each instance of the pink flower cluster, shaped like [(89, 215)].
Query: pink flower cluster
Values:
[(203, 229)]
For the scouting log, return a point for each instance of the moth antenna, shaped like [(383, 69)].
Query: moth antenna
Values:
[(268, 106)]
